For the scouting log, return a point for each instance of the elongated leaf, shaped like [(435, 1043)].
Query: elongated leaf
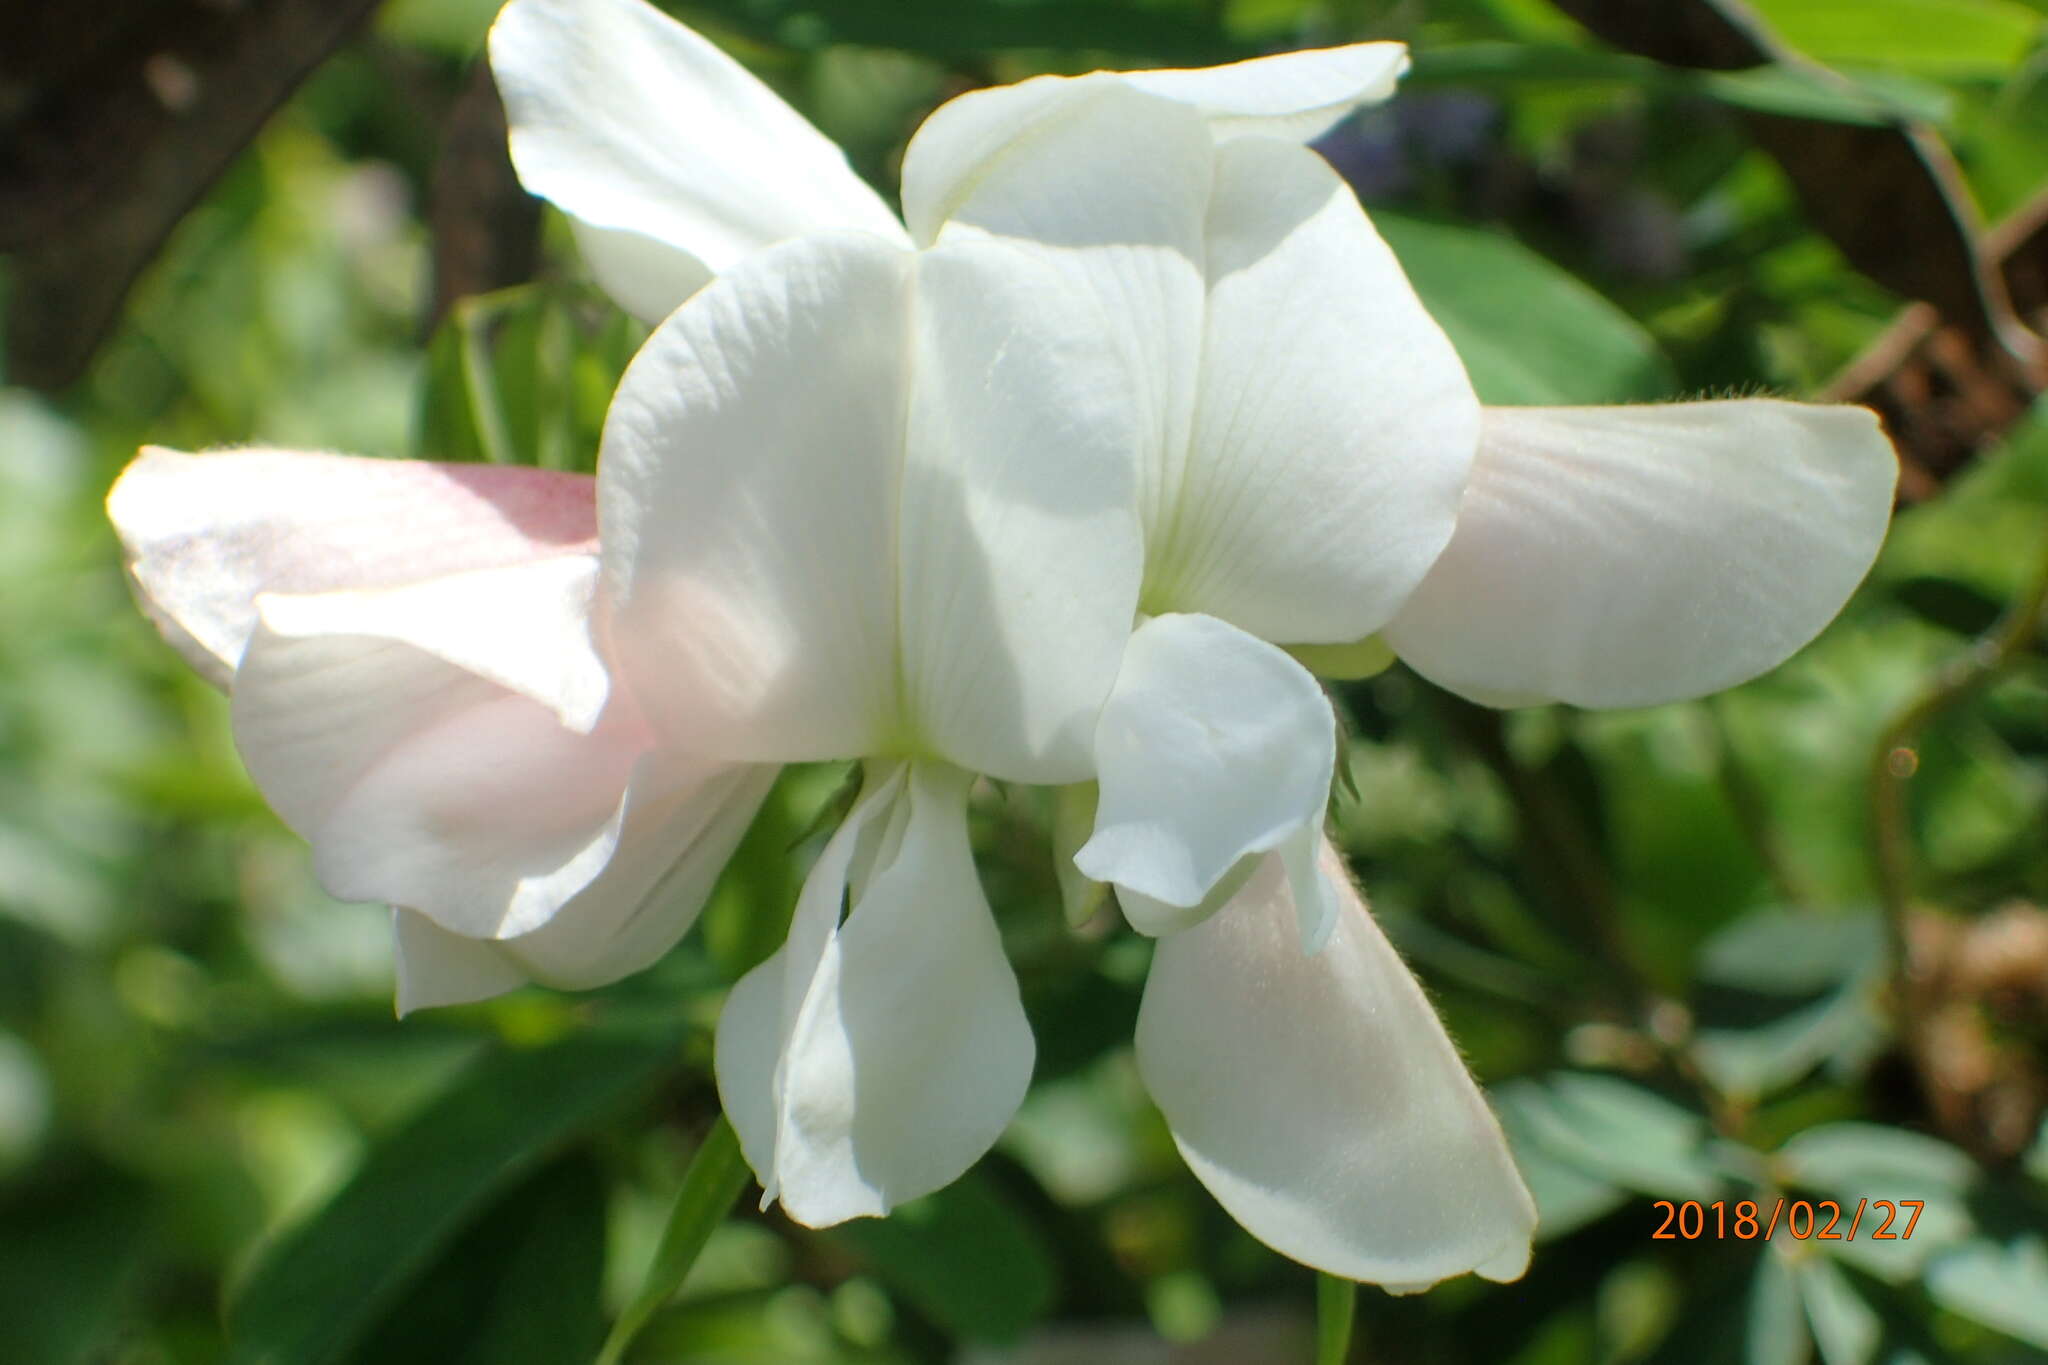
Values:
[(1845, 1327), (327, 1280), (717, 1174), (1527, 331), (1891, 197), (1617, 1132), (65, 1259), (956, 27), (1772, 89), (2003, 1286), (1568, 1195), (1953, 38), (1860, 1164), (1784, 991), (1776, 1330), (520, 1286)]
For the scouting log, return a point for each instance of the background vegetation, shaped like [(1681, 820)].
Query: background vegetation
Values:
[(1788, 940)]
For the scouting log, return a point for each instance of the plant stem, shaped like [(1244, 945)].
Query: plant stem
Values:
[(717, 1174), (1336, 1310)]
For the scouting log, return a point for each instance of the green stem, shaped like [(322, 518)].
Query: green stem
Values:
[(717, 1174), (1336, 1309)]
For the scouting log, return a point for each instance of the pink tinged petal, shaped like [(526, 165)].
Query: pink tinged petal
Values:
[(676, 828), (1334, 429), (1638, 555), (871, 1062), (206, 533), (850, 492), (1214, 747), (681, 159), (1320, 1101), (427, 760)]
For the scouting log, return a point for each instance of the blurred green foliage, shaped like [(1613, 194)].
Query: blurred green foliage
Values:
[(1656, 934)]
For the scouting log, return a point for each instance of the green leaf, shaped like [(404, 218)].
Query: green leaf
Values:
[(523, 376), (2000, 1285), (1944, 602), (1847, 1329), (1867, 100), (959, 27), (521, 1286), (1783, 991), (966, 1257), (1952, 38), (1528, 332), (1870, 100), (1862, 1163), (717, 1174), (67, 1256), (1568, 1195), (1620, 1133), (322, 1285), (1775, 1332), (447, 423)]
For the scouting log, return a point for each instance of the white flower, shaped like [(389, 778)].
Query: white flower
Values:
[(1315, 470), (862, 501), (855, 501), (416, 689), (1037, 486), (1311, 468)]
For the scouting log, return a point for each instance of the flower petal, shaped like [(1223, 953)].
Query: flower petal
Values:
[(206, 533), (436, 967), (1638, 555), (868, 1063), (644, 275), (1213, 747), (1292, 95), (853, 496), (1320, 1101), (747, 488), (1305, 427), (677, 827), (441, 778), (627, 120), (1112, 188), (1334, 428), (1020, 545), (1297, 95)]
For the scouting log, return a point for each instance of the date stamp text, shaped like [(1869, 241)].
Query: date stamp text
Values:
[(1820, 1220)]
